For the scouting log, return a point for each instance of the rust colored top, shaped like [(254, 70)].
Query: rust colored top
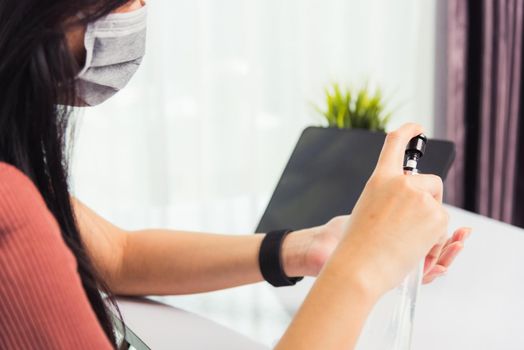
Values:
[(42, 302)]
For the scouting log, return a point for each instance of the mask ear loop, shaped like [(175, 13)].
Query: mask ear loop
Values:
[(88, 45), (79, 20)]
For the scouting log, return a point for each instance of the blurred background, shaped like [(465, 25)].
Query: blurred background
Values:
[(201, 135), (205, 128)]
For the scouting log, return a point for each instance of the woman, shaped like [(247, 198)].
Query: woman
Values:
[(57, 255)]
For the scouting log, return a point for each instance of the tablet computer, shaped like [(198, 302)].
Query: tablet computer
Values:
[(328, 170)]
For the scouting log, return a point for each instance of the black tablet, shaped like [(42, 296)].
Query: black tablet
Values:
[(327, 172)]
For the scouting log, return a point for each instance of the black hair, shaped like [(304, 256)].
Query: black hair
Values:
[(37, 86)]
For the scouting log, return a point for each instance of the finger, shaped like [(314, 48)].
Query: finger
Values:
[(429, 263), (430, 183), (432, 257), (450, 253), (460, 235), (456, 237), (463, 233), (392, 154), (436, 272)]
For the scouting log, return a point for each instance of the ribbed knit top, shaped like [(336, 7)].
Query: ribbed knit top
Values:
[(42, 302)]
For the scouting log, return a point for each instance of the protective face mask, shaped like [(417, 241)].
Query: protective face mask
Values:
[(115, 46)]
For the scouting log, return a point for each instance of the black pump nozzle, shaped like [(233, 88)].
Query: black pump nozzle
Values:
[(414, 151), (417, 145)]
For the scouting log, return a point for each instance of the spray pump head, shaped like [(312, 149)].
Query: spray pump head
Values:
[(414, 151)]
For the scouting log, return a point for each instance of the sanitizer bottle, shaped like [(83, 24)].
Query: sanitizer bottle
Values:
[(390, 324)]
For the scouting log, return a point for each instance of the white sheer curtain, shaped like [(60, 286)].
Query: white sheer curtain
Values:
[(202, 133)]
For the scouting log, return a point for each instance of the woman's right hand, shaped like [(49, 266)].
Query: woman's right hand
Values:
[(397, 220), (395, 223)]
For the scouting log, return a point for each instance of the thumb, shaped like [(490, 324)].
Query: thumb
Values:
[(392, 154)]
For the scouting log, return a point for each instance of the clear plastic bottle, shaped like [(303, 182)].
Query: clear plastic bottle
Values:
[(390, 324)]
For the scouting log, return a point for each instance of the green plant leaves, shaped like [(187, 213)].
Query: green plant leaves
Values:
[(362, 110)]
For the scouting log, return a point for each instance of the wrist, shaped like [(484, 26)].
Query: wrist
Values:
[(305, 252), (354, 279), (366, 269), (294, 261)]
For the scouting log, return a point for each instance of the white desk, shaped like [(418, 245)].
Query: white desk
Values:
[(160, 326), (478, 305)]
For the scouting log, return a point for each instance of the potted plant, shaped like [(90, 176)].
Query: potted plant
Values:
[(360, 109)]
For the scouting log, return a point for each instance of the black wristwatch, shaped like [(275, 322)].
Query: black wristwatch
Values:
[(270, 260)]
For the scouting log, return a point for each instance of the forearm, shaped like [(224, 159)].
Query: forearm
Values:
[(164, 262), (336, 308), (168, 262), (174, 262)]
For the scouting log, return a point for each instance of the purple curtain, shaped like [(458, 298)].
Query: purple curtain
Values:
[(484, 108), (456, 100)]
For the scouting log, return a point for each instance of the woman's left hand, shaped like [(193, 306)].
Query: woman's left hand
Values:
[(440, 257), (306, 251)]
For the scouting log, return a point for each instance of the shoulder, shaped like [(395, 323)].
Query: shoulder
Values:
[(26, 224), (20, 200), (12, 179), (42, 302)]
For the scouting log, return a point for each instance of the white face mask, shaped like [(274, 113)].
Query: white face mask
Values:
[(115, 46)]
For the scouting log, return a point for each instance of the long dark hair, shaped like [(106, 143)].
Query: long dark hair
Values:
[(37, 83)]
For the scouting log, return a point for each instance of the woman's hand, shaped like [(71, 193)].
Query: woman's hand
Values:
[(315, 246), (397, 221), (318, 243), (439, 259)]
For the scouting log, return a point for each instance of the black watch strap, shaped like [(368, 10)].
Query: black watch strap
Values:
[(270, 260)]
